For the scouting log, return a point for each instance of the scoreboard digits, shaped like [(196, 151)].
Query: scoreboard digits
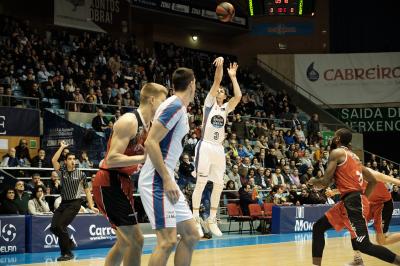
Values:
[(281, 7)]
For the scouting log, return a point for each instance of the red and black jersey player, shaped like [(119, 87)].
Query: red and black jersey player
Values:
[(346, 171), (112, 186)]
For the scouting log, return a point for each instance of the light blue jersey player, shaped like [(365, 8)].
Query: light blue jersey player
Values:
[(162, 199)]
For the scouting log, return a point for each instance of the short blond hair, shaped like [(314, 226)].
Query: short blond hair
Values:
[(151, 89)]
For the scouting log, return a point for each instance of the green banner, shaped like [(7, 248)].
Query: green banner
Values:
[(326, 136), (374, 119)]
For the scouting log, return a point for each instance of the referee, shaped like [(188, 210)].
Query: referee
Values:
[(71, 181)]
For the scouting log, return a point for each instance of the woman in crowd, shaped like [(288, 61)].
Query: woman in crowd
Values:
[(38, 205)]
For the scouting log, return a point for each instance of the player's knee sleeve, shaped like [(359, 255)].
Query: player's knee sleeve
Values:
[(216, 195), (198, 193)]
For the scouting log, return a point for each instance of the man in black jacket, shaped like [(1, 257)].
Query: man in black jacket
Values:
[(245, 199), (99, 122)]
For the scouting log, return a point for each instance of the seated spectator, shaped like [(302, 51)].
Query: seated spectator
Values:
[(84, 161), (116, 116), (234, 175), (21, 197), (35, 181), (277, 178), (40, 160), (185, 171), (305, 197), (261, 143), (190, 144), (10, 160), (317, 196), (38, 205), (90, 106), (294, 195), (8, 205), (271, 161), (395, 193), (255, 163), (287, 175), (99, 122), (22, 152), (289, 137), (54, 184), (307, 176), (281, 197), (295, 178), (245, 199), (242, 152)]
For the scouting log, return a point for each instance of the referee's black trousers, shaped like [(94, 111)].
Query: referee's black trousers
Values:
[(62, 217)]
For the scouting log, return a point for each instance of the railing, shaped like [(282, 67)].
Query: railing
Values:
[(70, 106), (19, 101), (303, 92)]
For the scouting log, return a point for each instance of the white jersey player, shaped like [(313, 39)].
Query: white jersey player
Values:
[(210, 156), (162, 200)]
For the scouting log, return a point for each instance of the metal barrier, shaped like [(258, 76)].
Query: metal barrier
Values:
[(19, 101)]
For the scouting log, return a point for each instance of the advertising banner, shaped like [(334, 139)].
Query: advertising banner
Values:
[(19, 122), (12, 234), (361, 78), (283, 29), (293, 219), (57, 129), (92, 15), (369, 119), (86, 230)]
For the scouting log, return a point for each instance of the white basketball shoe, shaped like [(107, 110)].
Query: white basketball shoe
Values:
[(213, 226)]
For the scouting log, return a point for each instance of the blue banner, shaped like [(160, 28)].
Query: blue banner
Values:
[(19, 122), (291, 219), (283, 29), (86, 230), (12, 234), (57, 129)]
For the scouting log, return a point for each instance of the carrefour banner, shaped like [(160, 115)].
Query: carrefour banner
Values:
[(292, 219), (86, 231), (12, 234), (350, 78)]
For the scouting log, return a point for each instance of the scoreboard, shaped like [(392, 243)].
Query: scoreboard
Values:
[(281, 7)]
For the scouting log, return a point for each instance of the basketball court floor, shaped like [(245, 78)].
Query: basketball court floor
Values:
[(233, 249)]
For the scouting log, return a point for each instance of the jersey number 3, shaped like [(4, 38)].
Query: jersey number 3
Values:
[(216, 135)]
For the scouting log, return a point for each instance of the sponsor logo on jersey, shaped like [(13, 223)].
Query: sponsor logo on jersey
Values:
[(217, 121)]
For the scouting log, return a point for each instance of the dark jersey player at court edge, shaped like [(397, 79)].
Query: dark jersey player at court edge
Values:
[(112, 186), (345, 169)]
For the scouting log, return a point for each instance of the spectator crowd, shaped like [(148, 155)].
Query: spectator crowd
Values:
[(271, 149)]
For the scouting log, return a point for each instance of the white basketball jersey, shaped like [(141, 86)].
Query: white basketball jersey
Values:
[(172, 114), (214, 120)]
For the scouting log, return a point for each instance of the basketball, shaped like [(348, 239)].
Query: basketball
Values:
[(225, 12)]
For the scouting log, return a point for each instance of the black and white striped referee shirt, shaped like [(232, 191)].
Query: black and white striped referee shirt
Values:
[(72, 183)]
